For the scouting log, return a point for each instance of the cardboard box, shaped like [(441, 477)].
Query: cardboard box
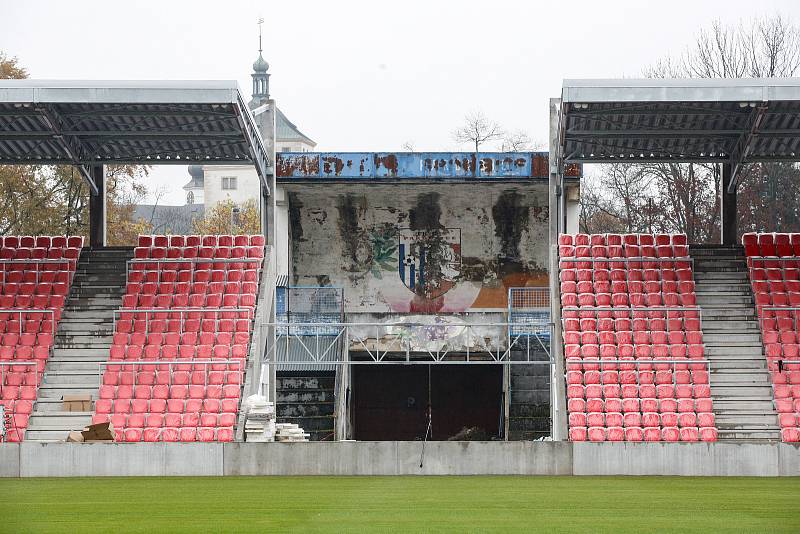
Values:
[(75, 437), (77, 403), (98, 432)]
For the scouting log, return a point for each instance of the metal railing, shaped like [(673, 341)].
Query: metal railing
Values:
[(207, 366), (779, 312), (46, 261), (408, 343), (183, 314), (790, 262), (635, 312), (11, 365), (634, 364), (192, 262), (628, 263), (30, 311)]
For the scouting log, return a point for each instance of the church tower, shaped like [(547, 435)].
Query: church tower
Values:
[(260, 76)]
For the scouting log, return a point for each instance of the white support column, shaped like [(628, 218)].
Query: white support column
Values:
[(557, 223)]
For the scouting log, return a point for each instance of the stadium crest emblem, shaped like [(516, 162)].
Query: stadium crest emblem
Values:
[(429, 261)]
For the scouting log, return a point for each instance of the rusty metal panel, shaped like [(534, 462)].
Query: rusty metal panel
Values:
[(415, 165)]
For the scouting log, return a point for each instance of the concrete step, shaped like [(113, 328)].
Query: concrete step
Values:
[(705, 286), (305, 409), (743, 365), (700, 276), (294, 396), (722, 300), (59, 420), (57, 392), (748, 435), (97, 316), (728, 419), (88, 366), (757, 405), (732, 337), (730, 391), (730, 380), (52, 405), (78, 354), (717, 353), (73, 377), (47, 436)]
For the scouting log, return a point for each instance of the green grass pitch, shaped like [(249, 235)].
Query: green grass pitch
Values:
[(401, 504)]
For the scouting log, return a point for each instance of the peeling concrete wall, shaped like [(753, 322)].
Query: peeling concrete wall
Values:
[(423, 248)]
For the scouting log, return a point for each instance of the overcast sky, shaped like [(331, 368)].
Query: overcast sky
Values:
[(364, 76)]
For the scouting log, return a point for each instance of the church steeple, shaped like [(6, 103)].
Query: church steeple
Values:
[(260, 75)]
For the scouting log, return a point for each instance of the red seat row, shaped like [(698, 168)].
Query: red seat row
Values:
[(771, 244), (190, 275), (776, 283), (622, 239), (162, 406), (668, 434), (197, 240), (610, 345), (184, 362), (35, 276)]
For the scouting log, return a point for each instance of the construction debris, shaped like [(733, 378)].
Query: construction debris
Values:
[(259, 423), (290, 433)]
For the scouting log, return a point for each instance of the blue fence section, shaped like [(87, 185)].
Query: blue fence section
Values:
[(529, 312), (295, 166)]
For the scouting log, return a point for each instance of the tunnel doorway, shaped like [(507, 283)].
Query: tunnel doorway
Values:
[(390, 402)]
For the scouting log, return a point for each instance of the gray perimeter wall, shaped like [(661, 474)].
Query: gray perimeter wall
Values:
[(398, 458)]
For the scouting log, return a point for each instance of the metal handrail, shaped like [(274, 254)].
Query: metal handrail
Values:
[(240, 363), (625, 259), (638, 363), (27, 311), (180, 311), (135, 261), (45, 261), (634, 309)]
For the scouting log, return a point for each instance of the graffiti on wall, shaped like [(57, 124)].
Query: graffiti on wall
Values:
[(437, 251)]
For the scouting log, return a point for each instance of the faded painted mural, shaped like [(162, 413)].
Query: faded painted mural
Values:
[(430, 248)]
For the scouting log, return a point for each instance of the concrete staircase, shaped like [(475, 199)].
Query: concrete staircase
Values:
[(306, 398), (741, 387), (529, 402), (81, 342)]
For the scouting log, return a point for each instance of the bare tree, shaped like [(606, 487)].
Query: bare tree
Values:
[(477, 129), (518, 141)]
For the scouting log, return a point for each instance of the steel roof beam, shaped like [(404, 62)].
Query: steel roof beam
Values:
[(71, 145), (255, 146), (744, 145)]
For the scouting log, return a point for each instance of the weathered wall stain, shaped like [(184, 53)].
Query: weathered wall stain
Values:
[(425, 215), (510, 219), (350, 208)]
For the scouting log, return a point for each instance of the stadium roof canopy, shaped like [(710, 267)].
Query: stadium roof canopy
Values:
[(91, 123), (733, 121)]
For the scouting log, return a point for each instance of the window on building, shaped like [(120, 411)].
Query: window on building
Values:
[(190, 198), (229, 182)]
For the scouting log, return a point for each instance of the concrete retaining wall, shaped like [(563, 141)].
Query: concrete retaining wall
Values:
[(398, 458)]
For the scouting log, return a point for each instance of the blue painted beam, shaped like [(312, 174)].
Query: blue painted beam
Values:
[(387, 166)]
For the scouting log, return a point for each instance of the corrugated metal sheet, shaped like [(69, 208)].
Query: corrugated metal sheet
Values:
[(303, 348), (91, 123), (681, 131), (294, 166)]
